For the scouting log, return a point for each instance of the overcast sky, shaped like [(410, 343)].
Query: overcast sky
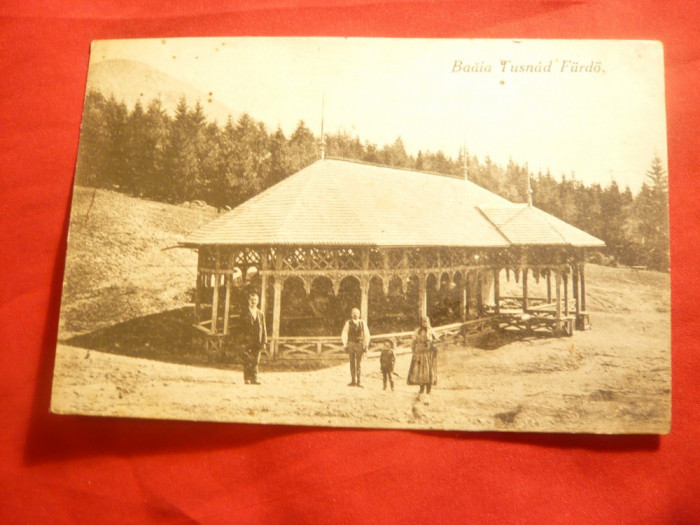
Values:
[(600, 124)]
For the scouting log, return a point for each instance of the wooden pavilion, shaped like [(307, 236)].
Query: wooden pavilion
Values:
[(348, 234)]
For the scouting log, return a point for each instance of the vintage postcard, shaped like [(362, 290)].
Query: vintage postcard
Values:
[(353, 232)]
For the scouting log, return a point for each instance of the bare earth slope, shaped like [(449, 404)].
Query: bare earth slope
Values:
[(116, 268), (612, 379)]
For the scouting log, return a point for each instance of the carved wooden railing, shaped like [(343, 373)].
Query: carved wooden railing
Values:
[(332, 346), (516, 301)]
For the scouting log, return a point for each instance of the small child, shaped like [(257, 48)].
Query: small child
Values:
[(386, 362)]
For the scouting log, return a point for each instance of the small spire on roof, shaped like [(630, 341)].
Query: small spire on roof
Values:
[(529, 187)]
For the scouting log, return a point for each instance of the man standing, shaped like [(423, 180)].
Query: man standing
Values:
[(355, 338), (254, 337)]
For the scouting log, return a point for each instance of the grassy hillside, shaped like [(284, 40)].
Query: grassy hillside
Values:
[(116, 268)]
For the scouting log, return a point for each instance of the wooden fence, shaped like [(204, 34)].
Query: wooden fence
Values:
[(332, 347)]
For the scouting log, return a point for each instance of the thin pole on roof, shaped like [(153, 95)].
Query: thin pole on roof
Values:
[(323, 136), (529, 187)]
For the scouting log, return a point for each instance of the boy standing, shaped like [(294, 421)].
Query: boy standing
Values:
[(386, 362)]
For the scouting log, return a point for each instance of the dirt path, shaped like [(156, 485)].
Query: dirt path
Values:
[(610, 379)]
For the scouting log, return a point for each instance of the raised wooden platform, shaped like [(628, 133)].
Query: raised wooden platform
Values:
[(532, 322), (540, 316)]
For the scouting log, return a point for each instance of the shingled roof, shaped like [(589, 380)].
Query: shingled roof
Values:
[(339, 202), (526, 225)]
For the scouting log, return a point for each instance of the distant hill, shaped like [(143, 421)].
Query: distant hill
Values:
[(130, 80)]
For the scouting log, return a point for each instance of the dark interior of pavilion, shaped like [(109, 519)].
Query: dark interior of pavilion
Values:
[(322, 312)]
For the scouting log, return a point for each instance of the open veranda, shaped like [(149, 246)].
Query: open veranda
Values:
[(397, 244)]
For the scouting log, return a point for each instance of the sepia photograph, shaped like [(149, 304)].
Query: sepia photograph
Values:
[(442, 234)]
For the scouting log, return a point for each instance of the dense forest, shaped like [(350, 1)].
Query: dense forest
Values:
[(148, 153)]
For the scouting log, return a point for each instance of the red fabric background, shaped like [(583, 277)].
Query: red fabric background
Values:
[(74, 469)]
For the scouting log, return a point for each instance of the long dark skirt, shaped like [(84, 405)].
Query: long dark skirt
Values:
[(423, 369)]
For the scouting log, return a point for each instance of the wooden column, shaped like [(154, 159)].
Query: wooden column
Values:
[(422, 296), (198, 287), (558, 288), (472, 294), (276, 312), (364, 286), (215, 298), (566, 293), (549, 286), (463, 299), (263, 279), (583, 287), (227, 301), (497, 291), (197, 290), (525, 272), (263, 292), (574, 288), (364, 298), (479, 293)]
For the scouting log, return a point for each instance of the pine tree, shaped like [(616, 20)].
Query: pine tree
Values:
[(277, 147), (439, 163), (224, 185), (94, 142), (395, 155), (567, 199), (209, 164), (613, 218), (157, 124), (137, 151), (184, 152), (545, 193), (342, 145), (515, 183), (115, 170), (371, 153), (302, 148), (652, 213), (419, 161), (251, 157)]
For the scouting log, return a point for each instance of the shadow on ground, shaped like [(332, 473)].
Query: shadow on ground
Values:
[(170, 337), (495, 339)]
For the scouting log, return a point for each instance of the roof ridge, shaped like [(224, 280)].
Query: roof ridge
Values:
[(400, 168), (521, 210), (545, 216), (292, 210), (495, 226)]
